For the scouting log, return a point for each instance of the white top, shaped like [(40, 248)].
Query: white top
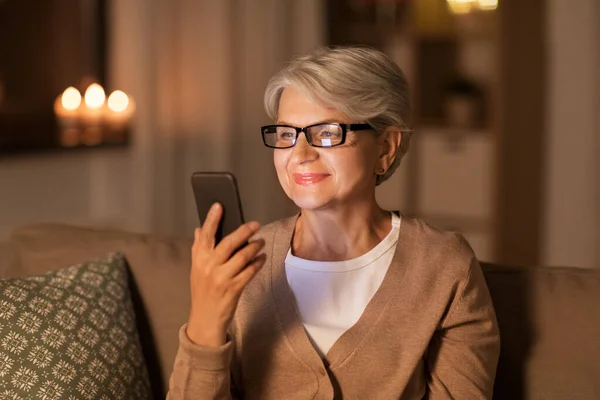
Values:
[(332, 295)]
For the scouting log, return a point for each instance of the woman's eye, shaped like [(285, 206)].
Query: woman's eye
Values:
[(287, 135), (328, 134)]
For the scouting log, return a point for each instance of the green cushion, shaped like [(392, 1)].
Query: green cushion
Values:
[(71, 334)]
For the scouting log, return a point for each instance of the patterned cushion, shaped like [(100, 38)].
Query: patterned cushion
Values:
[(71, 334)]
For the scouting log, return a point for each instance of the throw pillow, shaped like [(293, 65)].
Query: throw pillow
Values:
[(71, 334)]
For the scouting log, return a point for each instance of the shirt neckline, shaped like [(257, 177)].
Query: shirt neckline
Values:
[(359, 262)]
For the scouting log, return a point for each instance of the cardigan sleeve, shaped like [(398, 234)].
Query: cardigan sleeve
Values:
[(201, 373), (463, 354)]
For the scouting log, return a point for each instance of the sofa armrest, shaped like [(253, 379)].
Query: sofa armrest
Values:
[(7, 258)]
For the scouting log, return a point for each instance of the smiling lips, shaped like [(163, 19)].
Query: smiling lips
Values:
[(309, 179)]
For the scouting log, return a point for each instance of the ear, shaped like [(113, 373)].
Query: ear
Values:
[(389, 143)]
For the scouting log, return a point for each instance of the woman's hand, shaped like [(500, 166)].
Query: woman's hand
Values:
[(218, 277)]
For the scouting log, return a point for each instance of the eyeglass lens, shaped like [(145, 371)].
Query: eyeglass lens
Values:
[(323, 135)]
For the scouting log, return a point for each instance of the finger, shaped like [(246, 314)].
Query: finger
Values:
[(210, 226), (196, 239), (197, 235), (242, 258), (241, 280), (236, 239)]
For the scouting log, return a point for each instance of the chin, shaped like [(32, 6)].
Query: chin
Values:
[(311, 201)]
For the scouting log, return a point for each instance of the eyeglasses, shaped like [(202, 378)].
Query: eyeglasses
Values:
[(318, 135)]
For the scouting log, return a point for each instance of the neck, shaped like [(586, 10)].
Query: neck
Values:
[(340, 233)]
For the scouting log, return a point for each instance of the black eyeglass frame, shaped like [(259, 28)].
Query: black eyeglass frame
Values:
[(345, 128)]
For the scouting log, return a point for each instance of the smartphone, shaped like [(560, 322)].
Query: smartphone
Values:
[(218, 187)]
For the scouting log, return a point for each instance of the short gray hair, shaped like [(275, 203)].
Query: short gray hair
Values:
[(363, 83)]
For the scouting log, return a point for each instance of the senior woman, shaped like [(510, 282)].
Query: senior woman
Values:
[(345, 299)]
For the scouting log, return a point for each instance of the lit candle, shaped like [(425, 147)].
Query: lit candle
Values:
[(120, 108), (66, 109), (119, 113), (93, 118), (93, 114), (67, 104), (94, 98)]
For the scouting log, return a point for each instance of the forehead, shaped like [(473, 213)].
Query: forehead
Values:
[(295, 108)]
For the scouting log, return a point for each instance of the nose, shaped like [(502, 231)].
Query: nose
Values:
[(303, 152)]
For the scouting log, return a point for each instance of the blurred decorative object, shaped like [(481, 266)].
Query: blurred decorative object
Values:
[(45, 47), (94, 120), (455, 18), (467, 6), (463, 104)]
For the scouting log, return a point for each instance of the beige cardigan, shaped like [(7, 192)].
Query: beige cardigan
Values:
[(430, 331)]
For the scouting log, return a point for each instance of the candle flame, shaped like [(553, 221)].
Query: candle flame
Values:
[(94, 96), (71, 99), (118, 101)]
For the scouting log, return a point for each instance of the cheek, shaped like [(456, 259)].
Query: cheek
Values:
[(354, 166), (355, 173), (280, 160)]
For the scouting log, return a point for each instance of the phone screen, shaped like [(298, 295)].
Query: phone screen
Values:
[(218, 187)]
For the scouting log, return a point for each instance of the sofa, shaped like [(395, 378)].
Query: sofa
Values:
[(549, 317)]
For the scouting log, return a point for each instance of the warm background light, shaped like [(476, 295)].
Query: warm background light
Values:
[(71, 99), (118, 101), (466, 6), (488, 4), (94, 96), (460, 6)]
